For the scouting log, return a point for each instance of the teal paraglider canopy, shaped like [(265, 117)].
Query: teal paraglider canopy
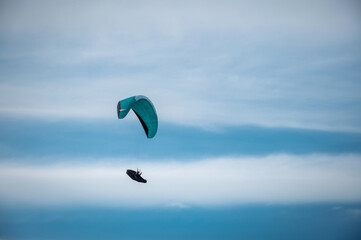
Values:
[(144, 110)]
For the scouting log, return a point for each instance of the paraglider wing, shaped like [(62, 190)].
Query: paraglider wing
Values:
[(136, 177), (144, 110)]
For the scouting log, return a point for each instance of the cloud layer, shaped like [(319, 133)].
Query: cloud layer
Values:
[(207, 65), (209, 182), (326, 17)]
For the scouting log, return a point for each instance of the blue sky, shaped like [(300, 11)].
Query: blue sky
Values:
[(259, 119)]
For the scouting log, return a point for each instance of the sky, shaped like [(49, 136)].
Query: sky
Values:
[(259, 111)]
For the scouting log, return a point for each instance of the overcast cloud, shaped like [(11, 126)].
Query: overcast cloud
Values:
[(208, 182), (290, 64)]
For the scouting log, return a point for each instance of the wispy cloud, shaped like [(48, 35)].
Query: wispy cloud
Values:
[(209, 182), (182, 18), (207, 65)]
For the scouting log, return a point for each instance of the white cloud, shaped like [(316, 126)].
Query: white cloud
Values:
[(196, 100), (206, 65), (209, 182), (321, 18)]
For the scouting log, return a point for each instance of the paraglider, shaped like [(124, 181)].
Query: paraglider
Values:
[(144, 110), (136, 175), (147, 116)]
